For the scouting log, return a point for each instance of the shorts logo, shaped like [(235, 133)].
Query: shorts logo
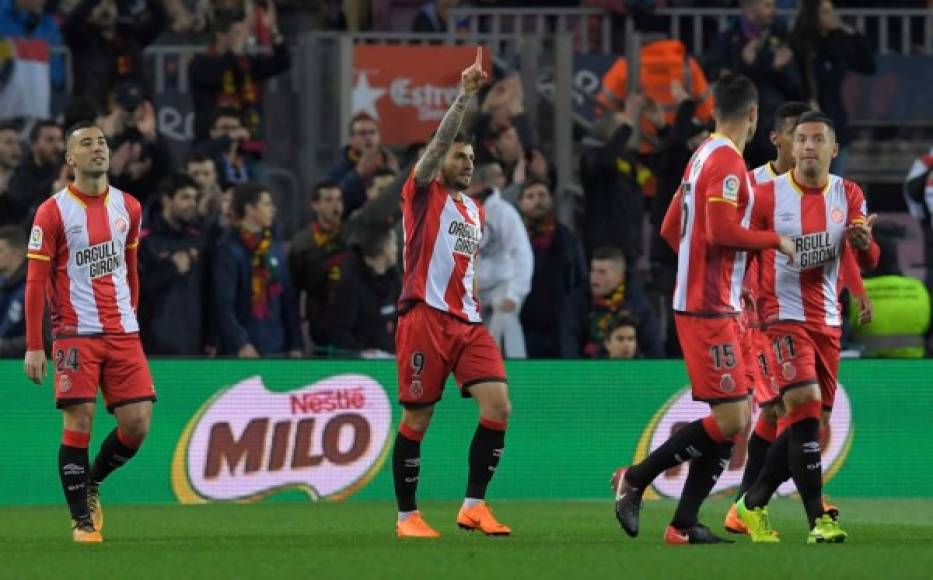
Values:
[(35, 238), (837, 216), (730, 188), (788, 371), (415, 389), (120, 225), (64, 384), (727, 383)]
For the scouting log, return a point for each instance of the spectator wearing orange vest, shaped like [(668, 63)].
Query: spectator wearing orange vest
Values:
[(664, 64)]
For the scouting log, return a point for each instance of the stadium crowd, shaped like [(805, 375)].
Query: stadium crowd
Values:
[(218, 279)]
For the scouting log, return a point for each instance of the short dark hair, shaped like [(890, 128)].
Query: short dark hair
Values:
[(361, 116), (322, 185), (197, 157), (532, 182), (620, 321), (384, 171), (734, 95), (789, 111), (225, 19), (75, 128), (178, 180), (36, 130), (14, 236), (9, 125), (609, 253), (817, 117), (371, 239), (246, 194)]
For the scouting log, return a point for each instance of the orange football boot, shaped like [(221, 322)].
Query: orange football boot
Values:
[(415, 527), (734, 523), (83, 532), (479, 517)]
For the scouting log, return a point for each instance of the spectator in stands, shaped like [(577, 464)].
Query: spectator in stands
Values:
[(918, 193), (256, 306), (614, 294), (502, 144), (551, 313), (827, 49), (679, 141), (613, 203), (12, 291), (29, 95), (621, 339), (202, 170), (757, 46), (382, 207), (506, 262), (106, 39), (362, 158), (433, 16), (139, 156), (33, 181), (171, 271), (228, 147), (227, 76), (10, 155), (363, 311), (316, 256)]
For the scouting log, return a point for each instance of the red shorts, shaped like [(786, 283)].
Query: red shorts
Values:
[(116, 362), (713, 356), (430, 344), (805, 354), (759, 366)]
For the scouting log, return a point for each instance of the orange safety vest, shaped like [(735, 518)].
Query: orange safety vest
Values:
[(662, 62)]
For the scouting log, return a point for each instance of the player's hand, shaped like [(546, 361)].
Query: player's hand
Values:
[(34, 365), (865, 309), (248, 351), (859, 235), (473, 78), (506, 305), (788, 248)]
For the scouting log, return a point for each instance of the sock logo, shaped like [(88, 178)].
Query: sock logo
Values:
[(327, 439), (681, 409), (72, 469)]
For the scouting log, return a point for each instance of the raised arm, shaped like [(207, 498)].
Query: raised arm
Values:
[(471, 80)]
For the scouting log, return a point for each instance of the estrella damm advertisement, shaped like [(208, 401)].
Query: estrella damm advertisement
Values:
[(287, 430)]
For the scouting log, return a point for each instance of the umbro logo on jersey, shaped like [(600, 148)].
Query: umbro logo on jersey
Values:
[(786, 216)]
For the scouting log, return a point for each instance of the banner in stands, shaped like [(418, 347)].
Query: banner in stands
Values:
[(407, 89), (244, 430)]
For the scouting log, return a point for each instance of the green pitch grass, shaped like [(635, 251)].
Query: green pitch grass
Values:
[(888, 539)]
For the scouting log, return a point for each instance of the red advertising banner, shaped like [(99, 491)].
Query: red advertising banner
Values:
[(407, 89)]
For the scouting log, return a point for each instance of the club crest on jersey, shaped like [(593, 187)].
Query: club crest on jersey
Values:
[(121, 225), (100, 260), (35, 238), (836, 215), (814, 250), (730, 188), (727, 383), (467, 237)]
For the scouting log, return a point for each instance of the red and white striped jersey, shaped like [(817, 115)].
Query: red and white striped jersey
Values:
[(815, 219), (762, 174), (85, 239), (442, 238), (709, 277)]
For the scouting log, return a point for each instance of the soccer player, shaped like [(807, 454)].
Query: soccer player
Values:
[(707, 223), (82, 254), (825, 215), (755, 350), (439, 329)]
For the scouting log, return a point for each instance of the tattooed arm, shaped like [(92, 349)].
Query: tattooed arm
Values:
[(471, 80)]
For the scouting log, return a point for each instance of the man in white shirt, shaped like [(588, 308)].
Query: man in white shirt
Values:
[(506, 262)]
